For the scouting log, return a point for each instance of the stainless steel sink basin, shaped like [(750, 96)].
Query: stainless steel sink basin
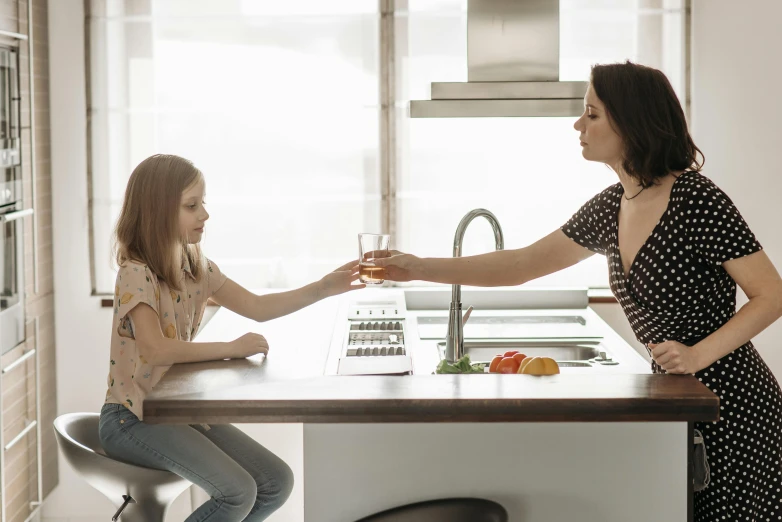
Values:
[(559, 350)]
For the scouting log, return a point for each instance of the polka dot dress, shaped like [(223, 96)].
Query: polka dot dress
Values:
[(678, 290)]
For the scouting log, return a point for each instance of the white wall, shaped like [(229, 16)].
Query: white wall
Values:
[(737, 119), (82, 327)]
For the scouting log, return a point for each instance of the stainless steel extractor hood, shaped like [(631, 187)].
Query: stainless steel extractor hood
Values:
[(512, 66)]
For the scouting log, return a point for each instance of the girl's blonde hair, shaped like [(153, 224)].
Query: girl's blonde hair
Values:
[(147, 230)]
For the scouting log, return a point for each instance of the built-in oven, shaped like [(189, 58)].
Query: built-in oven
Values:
[(12, 212), (10, 102), (11, 270)]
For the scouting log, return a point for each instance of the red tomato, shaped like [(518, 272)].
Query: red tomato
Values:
[(508, 365), (494, 363), (510, 353)]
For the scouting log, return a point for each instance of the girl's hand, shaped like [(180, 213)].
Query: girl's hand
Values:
[(675, 357), (399, 266), (340, 280), (247, 345)]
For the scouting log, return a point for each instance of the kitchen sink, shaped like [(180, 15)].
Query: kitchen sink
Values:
[(519, 325), (559, 350)]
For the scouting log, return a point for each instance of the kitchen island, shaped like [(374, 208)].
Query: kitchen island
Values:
[(602, 446)]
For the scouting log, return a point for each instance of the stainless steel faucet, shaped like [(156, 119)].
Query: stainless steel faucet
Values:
[(454, 340)]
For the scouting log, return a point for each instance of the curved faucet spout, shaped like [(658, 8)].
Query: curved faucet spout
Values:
[(454, 341), (458, 239)]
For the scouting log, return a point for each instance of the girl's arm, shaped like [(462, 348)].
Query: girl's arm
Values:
[(270, 306), (158, 350)]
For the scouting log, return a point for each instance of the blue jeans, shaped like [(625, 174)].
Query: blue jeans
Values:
[(246, 481)]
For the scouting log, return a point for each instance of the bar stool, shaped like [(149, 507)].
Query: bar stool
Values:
[(150, 491), (444, 510)]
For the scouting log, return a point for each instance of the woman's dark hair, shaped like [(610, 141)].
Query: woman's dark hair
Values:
[(644, 110)]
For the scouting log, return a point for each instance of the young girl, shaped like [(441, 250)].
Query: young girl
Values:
[(162, 288)]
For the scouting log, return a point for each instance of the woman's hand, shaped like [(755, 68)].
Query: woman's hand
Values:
[(675, 357), (399, 266), (248, 345), (340, 280)]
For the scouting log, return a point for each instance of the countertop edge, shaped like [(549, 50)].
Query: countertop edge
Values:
[(433, 410)]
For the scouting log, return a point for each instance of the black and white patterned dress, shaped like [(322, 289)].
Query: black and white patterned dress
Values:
[(678, 290)]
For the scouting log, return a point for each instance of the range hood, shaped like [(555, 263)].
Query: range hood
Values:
[(512, 66)]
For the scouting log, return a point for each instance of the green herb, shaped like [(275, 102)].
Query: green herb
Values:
[(461, 366)]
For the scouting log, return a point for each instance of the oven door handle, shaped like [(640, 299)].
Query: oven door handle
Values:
[(13, 216)]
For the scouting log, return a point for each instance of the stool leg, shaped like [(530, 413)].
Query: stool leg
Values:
[(144, 510), (128, 500)]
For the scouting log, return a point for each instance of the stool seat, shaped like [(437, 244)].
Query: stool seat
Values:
[(152, 489), (444, 510)]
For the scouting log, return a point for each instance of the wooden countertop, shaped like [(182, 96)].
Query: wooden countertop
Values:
[(289, 386), (429, 398)]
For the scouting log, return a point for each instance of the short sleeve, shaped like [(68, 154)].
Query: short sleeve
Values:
[(717, 229), (587, 227), (215, 278), (135, 285)]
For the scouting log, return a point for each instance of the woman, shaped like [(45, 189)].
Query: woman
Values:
[(676, 247)]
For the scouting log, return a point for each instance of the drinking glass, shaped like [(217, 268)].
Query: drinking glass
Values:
[(368, 246)]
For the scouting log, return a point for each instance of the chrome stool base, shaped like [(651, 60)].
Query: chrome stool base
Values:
[(140, 494)]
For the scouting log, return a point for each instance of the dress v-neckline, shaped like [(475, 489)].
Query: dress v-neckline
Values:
[(626, 276)]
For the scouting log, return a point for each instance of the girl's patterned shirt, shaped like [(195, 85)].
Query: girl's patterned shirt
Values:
[(131, 377)]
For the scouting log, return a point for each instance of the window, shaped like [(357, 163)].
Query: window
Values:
[(278, 104)]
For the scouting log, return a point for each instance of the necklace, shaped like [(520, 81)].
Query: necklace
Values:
[(636, 194)]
